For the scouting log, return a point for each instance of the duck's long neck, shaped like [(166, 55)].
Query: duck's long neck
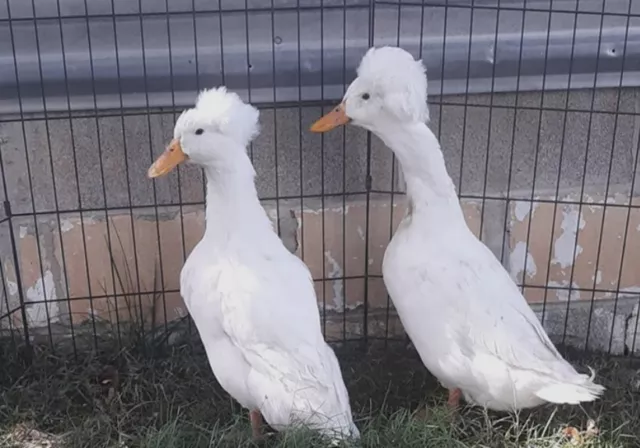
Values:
[(429, 186), (233, 207)]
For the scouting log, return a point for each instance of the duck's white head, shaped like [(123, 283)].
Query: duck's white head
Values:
[(390, 89), (215, 133)]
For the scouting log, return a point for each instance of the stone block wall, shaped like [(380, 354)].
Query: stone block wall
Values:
[(568, 228)]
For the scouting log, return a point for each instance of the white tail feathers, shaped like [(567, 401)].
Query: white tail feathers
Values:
[(584, 389)]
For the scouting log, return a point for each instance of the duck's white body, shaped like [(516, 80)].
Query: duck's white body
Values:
[(252, 301), (466, 317), (255, 308), (468, 320)]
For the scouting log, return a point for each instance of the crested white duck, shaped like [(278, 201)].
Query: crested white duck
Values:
[(252, 301), (466, 317)]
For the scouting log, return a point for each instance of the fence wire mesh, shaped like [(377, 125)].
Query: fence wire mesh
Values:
[(536, 105)]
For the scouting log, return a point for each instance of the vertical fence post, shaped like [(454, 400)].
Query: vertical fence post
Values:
[(368, 186)]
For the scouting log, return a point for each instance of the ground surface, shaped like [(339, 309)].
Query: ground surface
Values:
[(130, 400)]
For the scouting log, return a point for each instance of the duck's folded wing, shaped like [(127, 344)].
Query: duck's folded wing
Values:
[(497, 318), (274, 321)]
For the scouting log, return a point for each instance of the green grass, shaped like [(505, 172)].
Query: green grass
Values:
[(128, 400)]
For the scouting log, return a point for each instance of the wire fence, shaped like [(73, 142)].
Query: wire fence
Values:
[(536, 105)]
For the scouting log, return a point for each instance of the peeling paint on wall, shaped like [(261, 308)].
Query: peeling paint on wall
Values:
[(12, 287), (66, 225), (566, 249), (565, 244), (523, 208), (320, 211), (337, 284), (597, 277), (521, 258), (40, 313), (530, 227), (561, 290)]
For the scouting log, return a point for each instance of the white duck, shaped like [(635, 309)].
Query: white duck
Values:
[(252, 301), (466, 317)]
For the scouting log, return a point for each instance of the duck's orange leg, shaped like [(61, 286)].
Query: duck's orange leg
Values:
[(257, 424), (454, 398)]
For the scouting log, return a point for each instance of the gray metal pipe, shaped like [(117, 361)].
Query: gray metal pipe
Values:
[(164, 74)]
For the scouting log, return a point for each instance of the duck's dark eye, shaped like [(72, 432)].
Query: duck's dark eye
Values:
[(365, 96), (199, 131)]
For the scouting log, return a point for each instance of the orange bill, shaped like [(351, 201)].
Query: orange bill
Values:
[(170, 158), (337, 117)]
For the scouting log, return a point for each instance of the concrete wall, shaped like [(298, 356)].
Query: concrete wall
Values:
[(561, 250)]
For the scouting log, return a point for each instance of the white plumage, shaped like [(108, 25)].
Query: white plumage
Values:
[(466, 317), (252, 301)]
